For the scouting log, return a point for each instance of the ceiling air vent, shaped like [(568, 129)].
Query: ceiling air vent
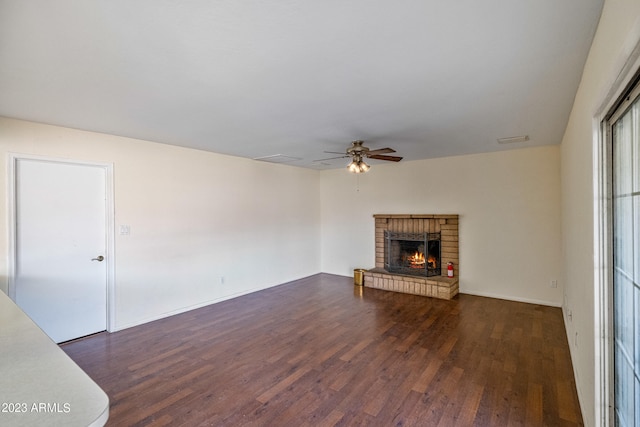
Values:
[(278, 158), (512, 139)]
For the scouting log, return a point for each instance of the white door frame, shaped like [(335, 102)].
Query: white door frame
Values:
[(13, 159), (627, 64)]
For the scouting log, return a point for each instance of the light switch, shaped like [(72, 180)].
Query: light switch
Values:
[(125, 230)]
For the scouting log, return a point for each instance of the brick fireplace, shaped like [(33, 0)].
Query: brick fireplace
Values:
[(433, 238)]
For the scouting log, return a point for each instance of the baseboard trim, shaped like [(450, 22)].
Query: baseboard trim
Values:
[(202, 304), (512, 298), (250, 291)]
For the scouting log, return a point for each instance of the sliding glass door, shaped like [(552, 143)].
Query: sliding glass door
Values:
[(625, 134)]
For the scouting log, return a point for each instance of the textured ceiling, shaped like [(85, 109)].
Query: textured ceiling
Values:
[(297, 78)]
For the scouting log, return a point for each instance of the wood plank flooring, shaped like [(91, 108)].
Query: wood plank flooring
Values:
[(321, 352)]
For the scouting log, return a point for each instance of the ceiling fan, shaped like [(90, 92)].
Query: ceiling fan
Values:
[(358, 152)]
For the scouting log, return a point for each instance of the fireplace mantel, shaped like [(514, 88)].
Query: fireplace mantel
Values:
[(435, 286)]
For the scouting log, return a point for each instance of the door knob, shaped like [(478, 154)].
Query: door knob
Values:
[(100, 258)]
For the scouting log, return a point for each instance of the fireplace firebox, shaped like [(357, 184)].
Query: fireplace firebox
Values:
[(415, 254)]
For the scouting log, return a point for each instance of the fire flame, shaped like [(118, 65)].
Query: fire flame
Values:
[(417, 260), (432, 262)]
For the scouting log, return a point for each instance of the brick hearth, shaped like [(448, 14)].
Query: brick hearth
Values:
[(436, 286)]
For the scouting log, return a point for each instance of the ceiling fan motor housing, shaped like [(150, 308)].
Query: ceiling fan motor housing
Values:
[(357, 149)]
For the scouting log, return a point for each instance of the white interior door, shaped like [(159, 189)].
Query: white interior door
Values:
[(60, 236)]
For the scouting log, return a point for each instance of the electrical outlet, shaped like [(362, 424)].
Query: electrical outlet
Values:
[(570, 315), (554, 283)]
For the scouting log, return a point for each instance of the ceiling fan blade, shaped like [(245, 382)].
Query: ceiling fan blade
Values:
[(381, 151), (383, 157), (336, 152)]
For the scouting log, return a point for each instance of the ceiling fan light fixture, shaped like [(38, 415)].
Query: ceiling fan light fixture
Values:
[(357, 165)]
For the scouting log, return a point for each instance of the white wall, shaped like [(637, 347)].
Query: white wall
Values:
[(194, 216), (617, 32), (197, 216), (509, 207)]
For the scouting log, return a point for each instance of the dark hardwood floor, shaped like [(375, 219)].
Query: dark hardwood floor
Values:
[(321, 352)]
